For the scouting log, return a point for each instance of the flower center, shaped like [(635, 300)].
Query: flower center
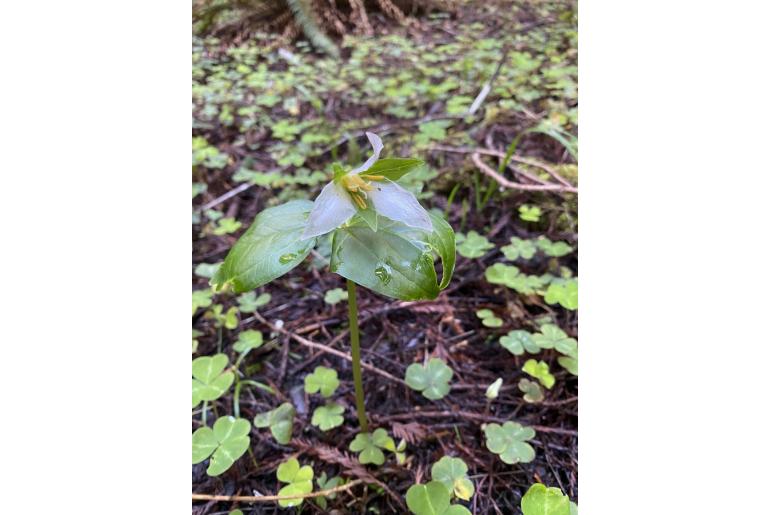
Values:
[(357, 187)]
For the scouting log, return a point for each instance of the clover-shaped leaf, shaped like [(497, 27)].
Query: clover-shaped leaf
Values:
[(210, 380), (540, 371), (228, 319), (432, 379), (323, 379), (529, 213), (325, 483), (300, 481), (564, 293), (542, 500), (279, 420), (428, 499), (510, 442), (488, 318), (207, 270), (368, 446), (553, 249), (226, 226), (336, 295), (571, 364), (474, 245), (225, 443), (519, 341), (249, 302), (248, 340), (519, 248), (552, 337), (500, 273), (328, 417), (494, 389), (201, 299), (532, 391), (453, 473)]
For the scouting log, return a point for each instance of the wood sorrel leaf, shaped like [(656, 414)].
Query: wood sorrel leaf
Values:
[(225, 443), (272, 246), (397, 260), (541, 500), (428, 499)]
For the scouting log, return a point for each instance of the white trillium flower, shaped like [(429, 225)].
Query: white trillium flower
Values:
[(345, 195)]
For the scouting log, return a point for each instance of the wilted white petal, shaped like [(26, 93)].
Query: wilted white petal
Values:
[(398, 204), (331, 209), (377, 147)]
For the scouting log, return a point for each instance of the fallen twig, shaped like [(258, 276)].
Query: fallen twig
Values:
[(272, 498), (502, 181)]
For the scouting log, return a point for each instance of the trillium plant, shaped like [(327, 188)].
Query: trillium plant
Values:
[(382, 239)]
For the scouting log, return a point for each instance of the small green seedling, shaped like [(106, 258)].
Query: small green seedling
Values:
[(336, 295), (248, 340), (532, 391), (207, 270), (540, 371), (401, 452), (432, 499), (325, 483), (473, 245), (571, 364), (201, 299), (529, 213), (195, 334), (552, 337), (453, 473), (493, 390), (226, 226), (280, 421), (510, 442), (519, 248), (210, 379), (249, 302), (369, 446), (299, 479), (553, 249), (225, 443), (228, 319), (432, 379), (381, 238), (322, 379), (564, 292), (518, 342), (236, 512), (328, 417), (488, 318), (542, 500)]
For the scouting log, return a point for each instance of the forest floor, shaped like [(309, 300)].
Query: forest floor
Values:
[(268, 124)]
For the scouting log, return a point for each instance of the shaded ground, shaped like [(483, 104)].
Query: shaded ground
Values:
[(267, 127)]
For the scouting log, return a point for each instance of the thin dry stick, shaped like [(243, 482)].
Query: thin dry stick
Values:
[(502, 181), (327, 349), (272, 498)]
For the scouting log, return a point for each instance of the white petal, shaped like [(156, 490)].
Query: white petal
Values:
[(331, 209), (377, 147), (398, 204)]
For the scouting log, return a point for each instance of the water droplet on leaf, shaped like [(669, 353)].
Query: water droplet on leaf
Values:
[(384, 273), (287, 258)]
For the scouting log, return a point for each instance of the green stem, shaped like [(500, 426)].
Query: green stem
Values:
[(355, 351)]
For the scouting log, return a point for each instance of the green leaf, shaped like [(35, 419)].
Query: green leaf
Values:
[(279, 420), (571, 364), (540, 371), (272, 246), (519, 341), (553, 249), (453, 473), (510, 442), (500, 273), (249, 302), (201, 299), (368, 446), (474, 245), (432, 379), (328, 417), (323, 379), (207, 270), (210, 381), (248, 340), (226, 226), (529, 213), (336, 295), (519, 248), (457, 509), (552, 337), (397, 260), (488, 318), (493, 390), (564, 293), (225, 443), (300, 481), (532, 391), (394, 168), (540, 500), (428, 499)]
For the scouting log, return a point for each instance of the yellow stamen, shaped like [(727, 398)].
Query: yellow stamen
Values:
[(358, 200), (374, 177)]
